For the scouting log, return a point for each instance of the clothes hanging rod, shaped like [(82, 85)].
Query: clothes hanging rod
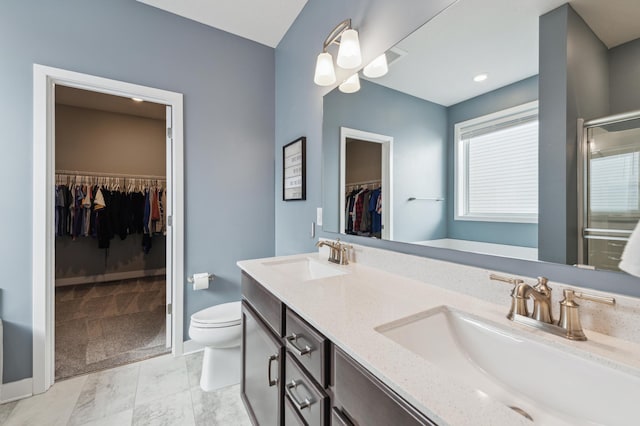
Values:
[(364, 182), (109, 175), (424, 199)]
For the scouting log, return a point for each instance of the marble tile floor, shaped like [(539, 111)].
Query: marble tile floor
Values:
[(162, 391), (109, 324)]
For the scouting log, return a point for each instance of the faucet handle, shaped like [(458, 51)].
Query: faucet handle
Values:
[(570, 294), (509, 280), (569, 317)]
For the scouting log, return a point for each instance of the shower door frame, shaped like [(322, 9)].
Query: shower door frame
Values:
[(583, 178), (43, 242)]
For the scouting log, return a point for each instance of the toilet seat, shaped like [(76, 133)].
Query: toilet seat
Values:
[(218, 316)]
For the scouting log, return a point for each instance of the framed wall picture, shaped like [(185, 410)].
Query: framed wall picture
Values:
[(294, 184)]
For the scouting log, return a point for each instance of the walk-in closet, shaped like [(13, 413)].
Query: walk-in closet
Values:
[(363, 192), (110, 231)]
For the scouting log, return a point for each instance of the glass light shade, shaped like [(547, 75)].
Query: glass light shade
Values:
[(325, 74), (350, 85), (377, 68), (349, 55)]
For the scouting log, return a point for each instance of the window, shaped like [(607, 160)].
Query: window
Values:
[(614, 183), (497, 166)]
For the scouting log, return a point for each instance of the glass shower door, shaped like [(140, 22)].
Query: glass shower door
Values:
[(612, 200)]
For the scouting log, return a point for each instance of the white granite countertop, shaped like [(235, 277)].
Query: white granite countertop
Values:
[(347, 309)]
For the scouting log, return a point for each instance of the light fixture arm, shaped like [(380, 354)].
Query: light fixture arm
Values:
[(335, 34)]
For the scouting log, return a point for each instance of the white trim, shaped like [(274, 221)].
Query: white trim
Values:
[(387, 176), (16, 390), (460, 177), (191, 347), (113, 276), (44, 79)]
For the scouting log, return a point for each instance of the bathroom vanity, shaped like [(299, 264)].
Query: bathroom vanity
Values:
[(353, 344), (308, 379)]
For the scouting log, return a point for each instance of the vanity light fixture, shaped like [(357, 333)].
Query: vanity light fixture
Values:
[(349, 55), (480, 77), (350, 85), (377, 68)]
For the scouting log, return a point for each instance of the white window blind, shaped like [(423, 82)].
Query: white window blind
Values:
[(497, 167), (614, 183)]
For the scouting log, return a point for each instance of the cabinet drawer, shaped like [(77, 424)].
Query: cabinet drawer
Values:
[(264, 303), (307, 398), (291, 416), (308, 347), (362, 399)]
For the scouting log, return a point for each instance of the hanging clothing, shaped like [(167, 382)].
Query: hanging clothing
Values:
[(375, 210), (103, 212)]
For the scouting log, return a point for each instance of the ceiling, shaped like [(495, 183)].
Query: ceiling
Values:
[(100, 101), (470, 38), (263, 21)]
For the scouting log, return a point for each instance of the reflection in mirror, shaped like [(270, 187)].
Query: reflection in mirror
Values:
[(459, 112), (612, 189)]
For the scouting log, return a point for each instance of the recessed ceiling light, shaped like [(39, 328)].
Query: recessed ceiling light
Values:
[(480, 77), (136, 99)]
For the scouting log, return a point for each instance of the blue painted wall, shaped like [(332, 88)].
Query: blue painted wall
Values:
[(299, 112), (229, 95), (519, 234), (419, 131)]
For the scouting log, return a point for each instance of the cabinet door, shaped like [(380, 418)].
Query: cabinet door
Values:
[(361, 399), (262, 368)]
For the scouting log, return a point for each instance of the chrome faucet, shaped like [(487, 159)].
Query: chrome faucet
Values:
[(338, 251), (568, 326)]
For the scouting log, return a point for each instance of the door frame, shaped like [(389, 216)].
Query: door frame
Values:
[(387, 176), (43, 240)]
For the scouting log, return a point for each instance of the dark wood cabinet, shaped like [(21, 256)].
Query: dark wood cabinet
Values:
[(262, 370), (292, 375), (360, 398)]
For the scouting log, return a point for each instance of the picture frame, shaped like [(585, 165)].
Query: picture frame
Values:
[(294, 170)]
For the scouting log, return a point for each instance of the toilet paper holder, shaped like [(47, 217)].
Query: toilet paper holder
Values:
[(190, 279)]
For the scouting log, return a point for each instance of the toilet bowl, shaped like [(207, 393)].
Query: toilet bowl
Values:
[(219, 330)]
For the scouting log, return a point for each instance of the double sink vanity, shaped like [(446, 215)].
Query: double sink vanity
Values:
[(355, 344)]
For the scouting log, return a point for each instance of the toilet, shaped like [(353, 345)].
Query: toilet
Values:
[(219, 330)]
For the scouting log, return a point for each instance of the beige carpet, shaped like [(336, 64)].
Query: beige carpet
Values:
[(104, 325)]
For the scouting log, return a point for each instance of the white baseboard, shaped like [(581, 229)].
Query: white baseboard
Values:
[(113, 276), (190, 347), (16, 390)]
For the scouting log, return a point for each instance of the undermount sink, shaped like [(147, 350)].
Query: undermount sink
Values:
[(540, 382), (304, 268)]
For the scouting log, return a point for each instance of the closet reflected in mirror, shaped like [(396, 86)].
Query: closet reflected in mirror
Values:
[(111, 201)]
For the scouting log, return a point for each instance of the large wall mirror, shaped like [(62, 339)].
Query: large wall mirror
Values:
[(445, 150)]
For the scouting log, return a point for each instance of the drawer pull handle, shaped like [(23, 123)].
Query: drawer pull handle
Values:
[(292, 343), (271, 381), (301, 405), (339, 415)]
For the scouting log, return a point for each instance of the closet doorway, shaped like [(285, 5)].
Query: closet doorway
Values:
[(107, 242), (110, 237), (365, 179)]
